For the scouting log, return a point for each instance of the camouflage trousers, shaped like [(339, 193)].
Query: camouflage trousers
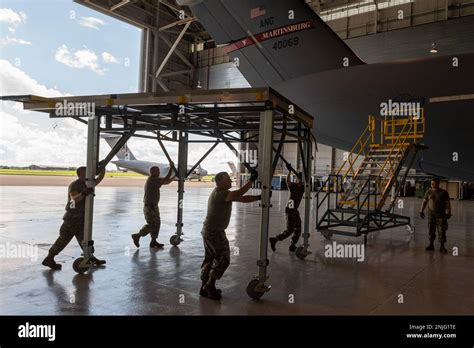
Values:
[(153, 222), (73, 226), (293, 226), (217, 254), (439, 224)]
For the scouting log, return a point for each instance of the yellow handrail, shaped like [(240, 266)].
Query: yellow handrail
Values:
[(370, 128), (390, 136), (400, 147)]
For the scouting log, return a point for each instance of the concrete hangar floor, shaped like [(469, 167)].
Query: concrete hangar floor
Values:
[(166, 282)]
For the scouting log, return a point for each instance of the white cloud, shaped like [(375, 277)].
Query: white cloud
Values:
[(16, 81), (83, 58), (11, 17), (4, 41), (109, 59), (91, 22), (12, 20), (28, 137)]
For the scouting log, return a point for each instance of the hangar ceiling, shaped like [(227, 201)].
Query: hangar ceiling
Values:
[(175, 44)]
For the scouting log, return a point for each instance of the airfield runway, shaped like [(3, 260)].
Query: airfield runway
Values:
[(166, 282)]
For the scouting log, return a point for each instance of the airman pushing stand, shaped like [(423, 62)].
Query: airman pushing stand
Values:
[(73, 225), (293, 219), (216, 245)]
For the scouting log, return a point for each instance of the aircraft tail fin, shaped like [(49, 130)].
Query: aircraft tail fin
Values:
[(233, 168), (273, 41), (124, 153)]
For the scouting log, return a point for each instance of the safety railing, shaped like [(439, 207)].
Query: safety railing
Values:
[(391, 124), (367, 135), (396, 134)]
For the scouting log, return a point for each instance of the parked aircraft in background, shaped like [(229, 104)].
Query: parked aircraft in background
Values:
[(126, 160)]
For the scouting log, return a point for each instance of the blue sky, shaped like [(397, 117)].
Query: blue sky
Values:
[(55, 48), (54, 24)]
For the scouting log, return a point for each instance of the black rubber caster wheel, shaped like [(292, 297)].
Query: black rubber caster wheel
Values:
[(76, 266), (327, 235), (252, 290), (301, 253), (175, 240)]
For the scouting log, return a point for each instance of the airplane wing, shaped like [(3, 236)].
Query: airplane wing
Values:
[(272, 41)]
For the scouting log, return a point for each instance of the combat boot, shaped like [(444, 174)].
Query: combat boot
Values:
[(210, 289), (155, 244), (49, 262), (96, 262), (443, 249), (430, 247), (212, 292), (204, 293), (136, 238)]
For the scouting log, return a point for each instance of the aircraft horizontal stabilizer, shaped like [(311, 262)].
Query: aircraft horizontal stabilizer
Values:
[(274, 40)]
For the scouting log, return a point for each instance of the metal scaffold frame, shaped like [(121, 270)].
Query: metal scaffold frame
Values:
[(361, 208), (247, 115)]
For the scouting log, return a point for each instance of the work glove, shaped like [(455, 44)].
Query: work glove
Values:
[(87, 191), (288, 166), (422, 215), (448, 216), (253, 175)]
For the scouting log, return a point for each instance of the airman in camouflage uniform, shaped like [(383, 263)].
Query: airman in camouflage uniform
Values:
[(216, 245), (293, 219), (150, 206), (73, 219), (439, 211)]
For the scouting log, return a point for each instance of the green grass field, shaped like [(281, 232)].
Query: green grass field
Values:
[(73, 173)]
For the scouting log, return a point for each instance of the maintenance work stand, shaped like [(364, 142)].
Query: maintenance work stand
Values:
[(355, 200), (248, 115)]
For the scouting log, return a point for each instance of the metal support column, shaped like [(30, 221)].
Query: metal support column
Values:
[(302, 251), (257, 288), (182, 172), (82, 264)]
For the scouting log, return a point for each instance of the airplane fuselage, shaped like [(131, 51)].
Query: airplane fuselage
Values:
[(341, 100), (143, 167)]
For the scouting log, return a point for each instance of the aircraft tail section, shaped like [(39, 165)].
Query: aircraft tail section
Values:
[(272, 41), (233, 168), (124, 153)]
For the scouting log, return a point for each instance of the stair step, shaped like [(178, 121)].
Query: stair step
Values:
[(345, 210), (354, 203), (384, 156)]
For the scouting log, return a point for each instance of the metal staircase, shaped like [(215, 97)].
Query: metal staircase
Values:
[(376, 169)]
